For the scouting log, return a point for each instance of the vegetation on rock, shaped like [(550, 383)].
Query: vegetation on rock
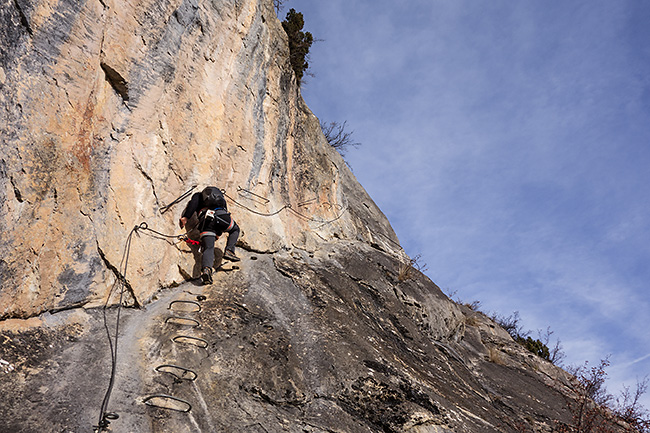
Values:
[(337, 136), (299, 42), (597, 411), (540, 348)]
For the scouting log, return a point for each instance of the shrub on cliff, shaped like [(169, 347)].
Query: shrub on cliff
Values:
[(299, 42), (536, 346), (337, 136), (597, 411), (512, 325)]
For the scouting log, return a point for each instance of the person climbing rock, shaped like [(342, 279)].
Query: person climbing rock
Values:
[(214, 219)]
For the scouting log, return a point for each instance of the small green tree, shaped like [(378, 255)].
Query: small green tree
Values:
[(512, 325), (535, 346), (299, 42)]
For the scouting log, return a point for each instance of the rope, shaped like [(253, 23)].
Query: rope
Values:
[(239, 189), (183, 237), (324, 222), (390, 240), (243, 206), (300, 215), (179, 199), (104, 416), (145, 227), (286, 206), (266, 200)]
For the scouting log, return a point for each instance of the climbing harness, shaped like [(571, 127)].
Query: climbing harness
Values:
[(207, 215)]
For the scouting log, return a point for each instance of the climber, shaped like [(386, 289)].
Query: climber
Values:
[(214, 219)]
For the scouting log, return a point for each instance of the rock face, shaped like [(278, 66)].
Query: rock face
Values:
[(329, 341), (112, 110)]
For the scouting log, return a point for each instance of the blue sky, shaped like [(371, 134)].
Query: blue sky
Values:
[(508, 143)]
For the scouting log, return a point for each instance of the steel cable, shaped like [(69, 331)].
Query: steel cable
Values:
[(120, 282)]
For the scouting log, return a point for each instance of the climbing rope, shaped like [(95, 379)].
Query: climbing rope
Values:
[(324, 222), (120, 285), (240, 189), (265, 200), (288, 207), (156, 234), (105, 417), (145, 227), (178, 200)]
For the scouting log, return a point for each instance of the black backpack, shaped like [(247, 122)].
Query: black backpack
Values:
[(213, 198)]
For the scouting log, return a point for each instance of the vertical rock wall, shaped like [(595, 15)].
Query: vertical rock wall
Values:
[(111, 110)]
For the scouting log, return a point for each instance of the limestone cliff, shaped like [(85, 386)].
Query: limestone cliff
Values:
[(111, 110)]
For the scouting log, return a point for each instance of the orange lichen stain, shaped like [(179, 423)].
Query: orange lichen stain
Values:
[(82, 149)]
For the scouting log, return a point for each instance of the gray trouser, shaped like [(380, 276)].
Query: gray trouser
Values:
[(207, 244)]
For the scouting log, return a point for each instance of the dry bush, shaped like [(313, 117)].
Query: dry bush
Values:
[(471, 320), (596, 411), (406, 269), (495, 356), (337, 136)]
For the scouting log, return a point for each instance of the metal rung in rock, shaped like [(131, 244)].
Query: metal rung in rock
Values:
[(187, 339), (180, 373), (170, 402), (193, 303), (177, 320)]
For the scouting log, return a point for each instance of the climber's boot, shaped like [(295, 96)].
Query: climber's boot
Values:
[(230, 255), (206, 275)]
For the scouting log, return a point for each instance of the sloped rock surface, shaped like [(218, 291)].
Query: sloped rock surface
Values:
[(325, 341)]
